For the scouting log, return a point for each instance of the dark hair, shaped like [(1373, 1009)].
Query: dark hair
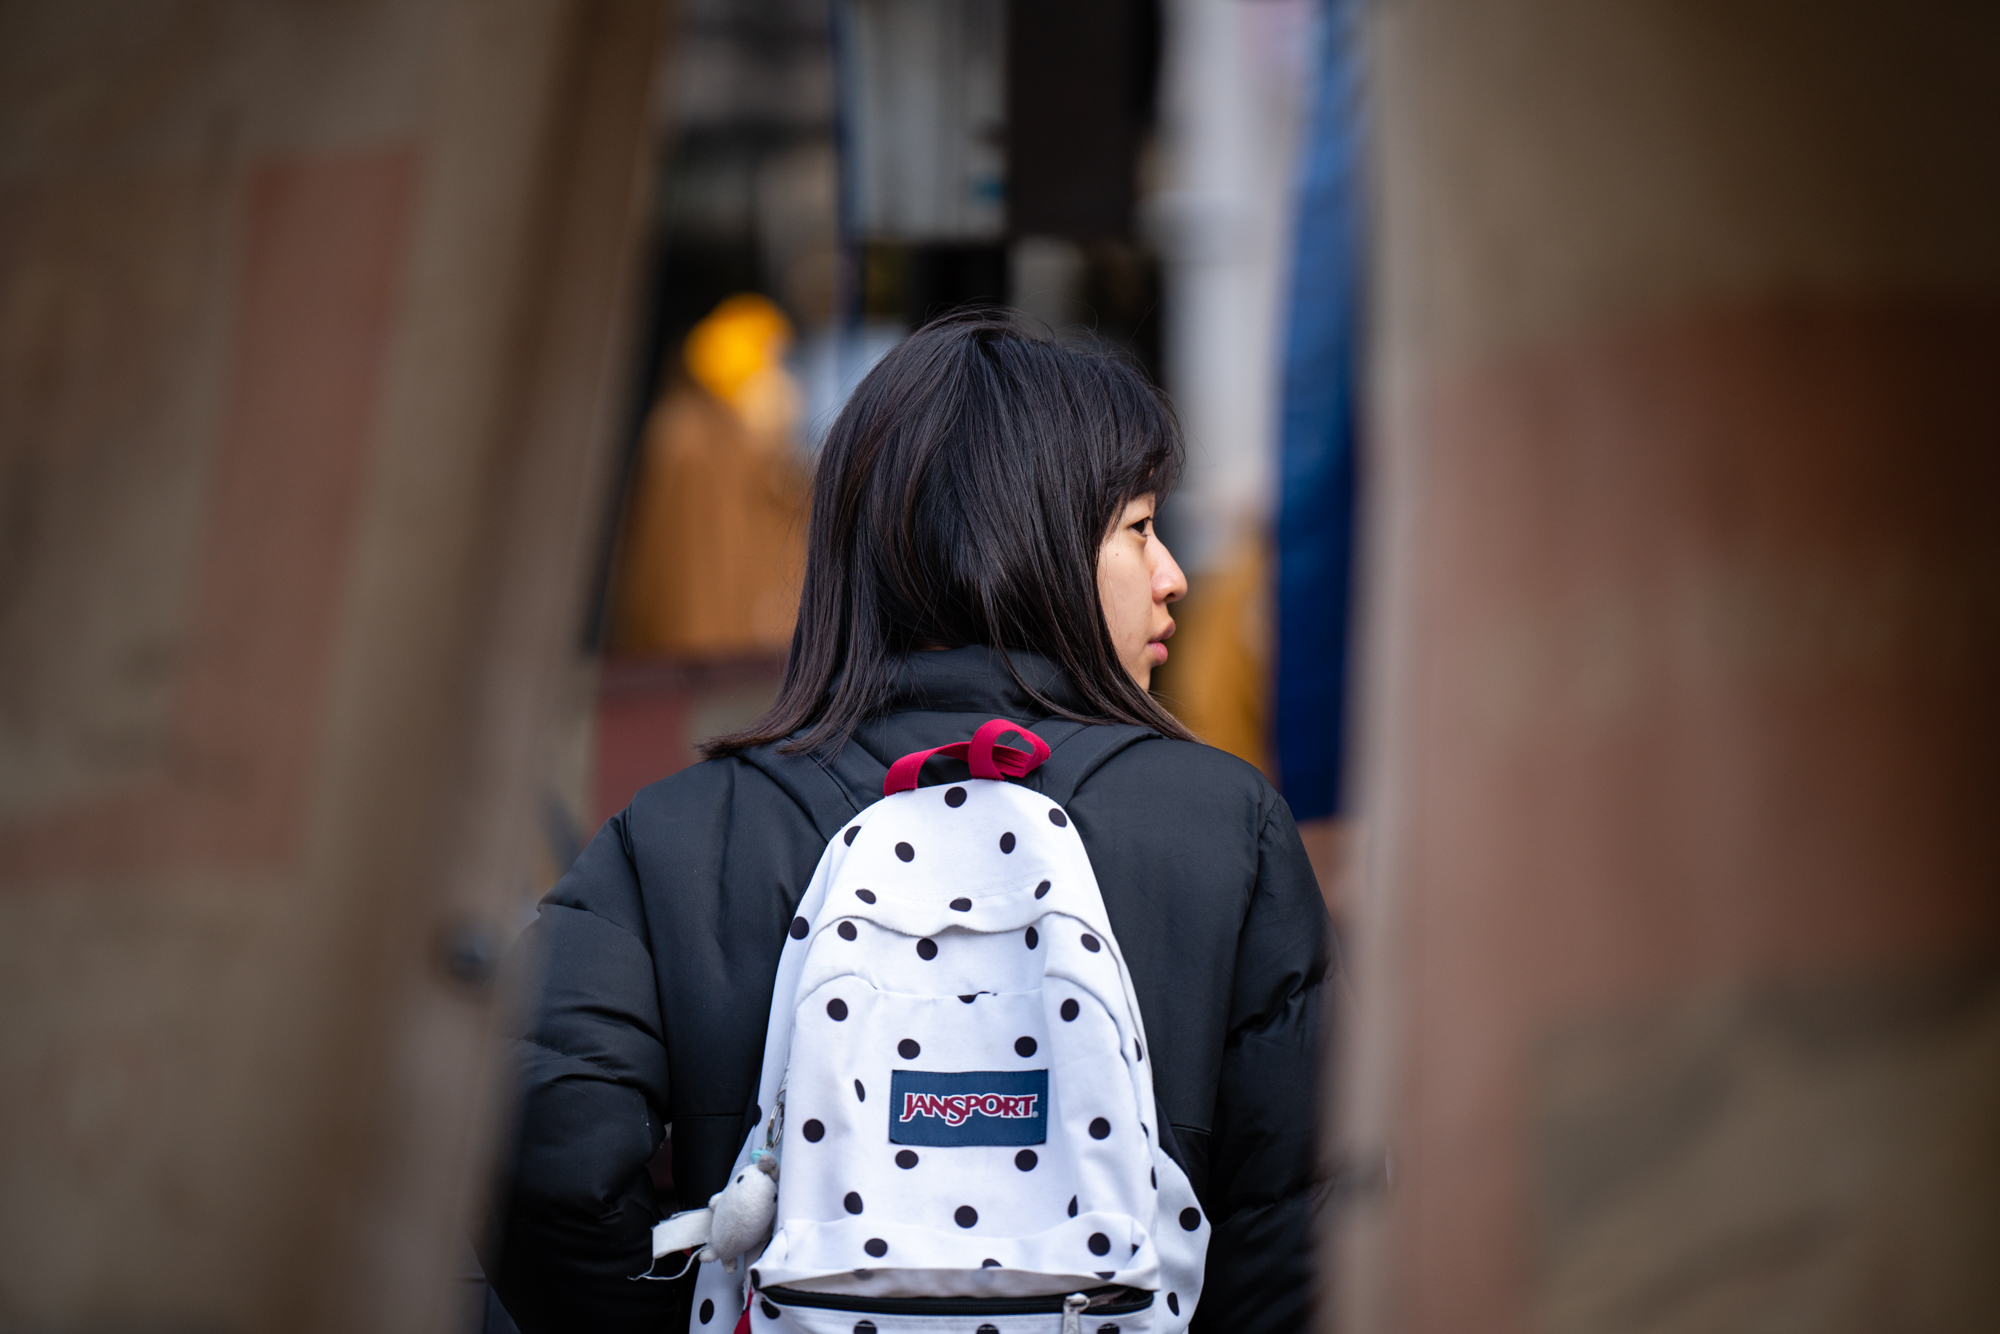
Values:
[(961, 498)]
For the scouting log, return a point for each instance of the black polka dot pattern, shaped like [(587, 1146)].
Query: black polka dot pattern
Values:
[(1106, 1328), (988, 1329), (707, 1310), (864, 1326), (770, 1311), (993, 979)]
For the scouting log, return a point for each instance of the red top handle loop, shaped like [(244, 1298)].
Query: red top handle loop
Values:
[(988, 758)]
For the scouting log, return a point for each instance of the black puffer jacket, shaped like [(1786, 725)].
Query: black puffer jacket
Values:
[(659, 949)]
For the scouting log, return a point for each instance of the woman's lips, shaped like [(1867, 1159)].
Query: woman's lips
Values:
[(1156, 648)]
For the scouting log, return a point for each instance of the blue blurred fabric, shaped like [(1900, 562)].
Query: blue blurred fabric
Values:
[(1316, 510)]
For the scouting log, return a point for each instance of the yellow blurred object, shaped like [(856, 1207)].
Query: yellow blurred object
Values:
[(1216, 677), (714, 543), (737, 351)]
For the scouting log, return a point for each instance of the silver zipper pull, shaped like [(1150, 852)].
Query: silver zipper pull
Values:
[(1073, 1313)]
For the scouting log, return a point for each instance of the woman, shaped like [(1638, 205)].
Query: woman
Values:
[(981, 545)]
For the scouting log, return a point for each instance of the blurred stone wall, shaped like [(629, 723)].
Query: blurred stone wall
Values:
[(310, 336), (1678, 1005)]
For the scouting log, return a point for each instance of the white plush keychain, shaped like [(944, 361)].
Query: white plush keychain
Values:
[(742, 1212), (739, 1217)]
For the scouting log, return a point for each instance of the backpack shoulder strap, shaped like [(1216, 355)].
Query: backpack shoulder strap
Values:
[(859, 774), (831, 792), (1077, 750)]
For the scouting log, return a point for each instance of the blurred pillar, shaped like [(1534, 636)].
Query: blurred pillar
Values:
[(307, 347), (1678, 999), (1230, 82)]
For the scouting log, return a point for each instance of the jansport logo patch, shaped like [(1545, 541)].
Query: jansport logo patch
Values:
[(957, 1108), (968, 1107)]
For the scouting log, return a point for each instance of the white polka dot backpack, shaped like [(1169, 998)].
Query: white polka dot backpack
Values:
[(956, 1121)]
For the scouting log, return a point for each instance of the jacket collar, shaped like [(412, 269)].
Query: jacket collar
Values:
[(975, 679)]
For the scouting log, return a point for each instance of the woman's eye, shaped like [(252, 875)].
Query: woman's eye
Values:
[(1142, 526)]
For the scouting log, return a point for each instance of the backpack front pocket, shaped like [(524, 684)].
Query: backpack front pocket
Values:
[(1107, 1310)]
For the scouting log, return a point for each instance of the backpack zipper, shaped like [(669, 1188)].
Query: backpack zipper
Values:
[(1053, 1304)]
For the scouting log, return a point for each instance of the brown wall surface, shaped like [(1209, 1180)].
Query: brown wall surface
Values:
[(1679, 942), (309, 353)]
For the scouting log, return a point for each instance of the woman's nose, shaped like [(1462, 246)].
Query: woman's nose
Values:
[(1169, 584)]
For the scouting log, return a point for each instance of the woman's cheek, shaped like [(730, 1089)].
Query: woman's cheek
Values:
[(1128, 607)]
